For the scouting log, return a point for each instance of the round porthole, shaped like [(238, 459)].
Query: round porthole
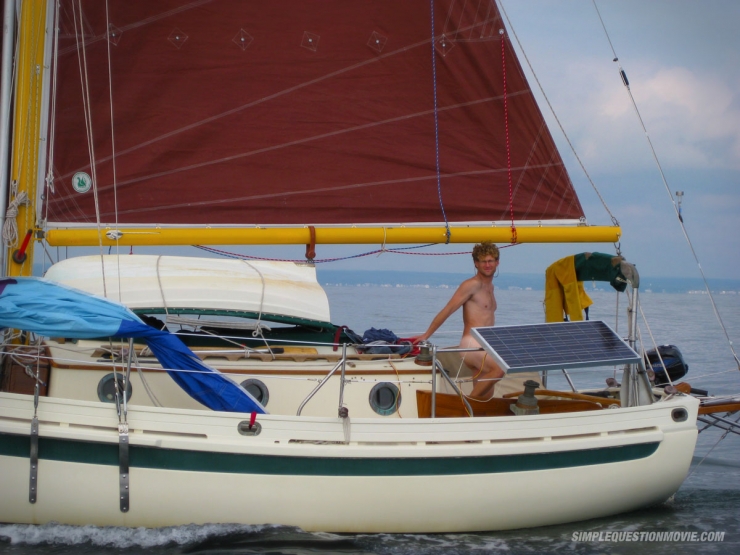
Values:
[(107, 388), (385, 398), (257, 389), (680, 415)]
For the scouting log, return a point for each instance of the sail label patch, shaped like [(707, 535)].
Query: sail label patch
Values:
[(81, 182)]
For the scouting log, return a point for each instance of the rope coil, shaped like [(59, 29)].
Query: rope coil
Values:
[(10, 227)]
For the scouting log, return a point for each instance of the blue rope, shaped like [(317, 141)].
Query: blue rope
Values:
[(436, 124)]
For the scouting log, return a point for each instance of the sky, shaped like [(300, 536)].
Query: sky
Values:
[(682, 59)]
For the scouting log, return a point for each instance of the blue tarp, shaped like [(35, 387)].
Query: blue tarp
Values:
[(53, 310)]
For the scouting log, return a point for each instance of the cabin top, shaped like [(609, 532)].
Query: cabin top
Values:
[(149, 283)]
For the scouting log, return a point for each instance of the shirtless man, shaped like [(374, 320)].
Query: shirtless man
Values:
[(476, 297)]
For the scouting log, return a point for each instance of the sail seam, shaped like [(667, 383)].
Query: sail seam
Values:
[(541, 181), (280, 94), (328, 189), (295, 142)]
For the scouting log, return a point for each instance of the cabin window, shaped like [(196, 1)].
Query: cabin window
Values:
[(107, 388), (385, 398), (680, 415), (257, 389)]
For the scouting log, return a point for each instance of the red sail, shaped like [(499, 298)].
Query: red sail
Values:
[(296, 111)]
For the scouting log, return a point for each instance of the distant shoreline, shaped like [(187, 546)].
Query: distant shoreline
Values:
[(535, 282), (515, 281)]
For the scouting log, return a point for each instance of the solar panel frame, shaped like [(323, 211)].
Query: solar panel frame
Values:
[(554, 346)]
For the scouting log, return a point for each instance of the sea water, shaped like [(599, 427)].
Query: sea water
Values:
[(707, 505)]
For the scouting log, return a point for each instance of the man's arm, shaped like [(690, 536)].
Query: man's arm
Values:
[(461, 296)]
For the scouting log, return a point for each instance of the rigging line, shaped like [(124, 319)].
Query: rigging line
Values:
[(552, 111), (508, 142), (9, 221), (49, 189), (262, 306), (246, 256), (91, 145), (325, 260), (677, 210), (655, 344), (161, 290), (12, 85), (145, 383), (436, 122), (113, 142), (723, 436), (6, 125)]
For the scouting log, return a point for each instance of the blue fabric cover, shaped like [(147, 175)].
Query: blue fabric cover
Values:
[(379, 335), (53, 310)]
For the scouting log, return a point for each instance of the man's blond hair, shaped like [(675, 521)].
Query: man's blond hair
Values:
[(484, 249)]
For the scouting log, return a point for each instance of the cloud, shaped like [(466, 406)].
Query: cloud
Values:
[(693, 119), (697, 113)]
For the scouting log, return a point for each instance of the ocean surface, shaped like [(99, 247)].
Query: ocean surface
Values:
[(708, 503)]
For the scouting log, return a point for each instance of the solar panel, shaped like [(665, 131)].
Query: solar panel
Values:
[(554, 346)]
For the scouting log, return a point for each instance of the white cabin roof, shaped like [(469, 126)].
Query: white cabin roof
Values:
[(177, 282)]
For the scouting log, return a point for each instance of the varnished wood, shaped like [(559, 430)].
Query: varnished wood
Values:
[(569, 395), (14, 378), (724, 407), (683, 387), (451, 406)]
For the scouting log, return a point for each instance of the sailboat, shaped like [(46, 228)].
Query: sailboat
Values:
[(293, 122)]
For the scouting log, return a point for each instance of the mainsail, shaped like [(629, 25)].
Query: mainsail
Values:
[(288, 112)]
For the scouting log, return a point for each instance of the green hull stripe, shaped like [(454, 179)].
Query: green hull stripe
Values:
[(207, 461)]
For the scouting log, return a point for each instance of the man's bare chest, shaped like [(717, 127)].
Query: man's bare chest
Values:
[(484, 300)]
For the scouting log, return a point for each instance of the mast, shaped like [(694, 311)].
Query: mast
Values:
[(5, 82), (27, 141)]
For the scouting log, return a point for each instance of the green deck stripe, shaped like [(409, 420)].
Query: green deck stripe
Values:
[(200, 461), (264, 316)]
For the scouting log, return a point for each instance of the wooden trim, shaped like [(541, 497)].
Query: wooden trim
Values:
[(451, 406), (603, 401), (254, 371), (14, 377), (732, 406)]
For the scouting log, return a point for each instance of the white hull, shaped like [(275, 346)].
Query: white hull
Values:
[(464, 474)]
